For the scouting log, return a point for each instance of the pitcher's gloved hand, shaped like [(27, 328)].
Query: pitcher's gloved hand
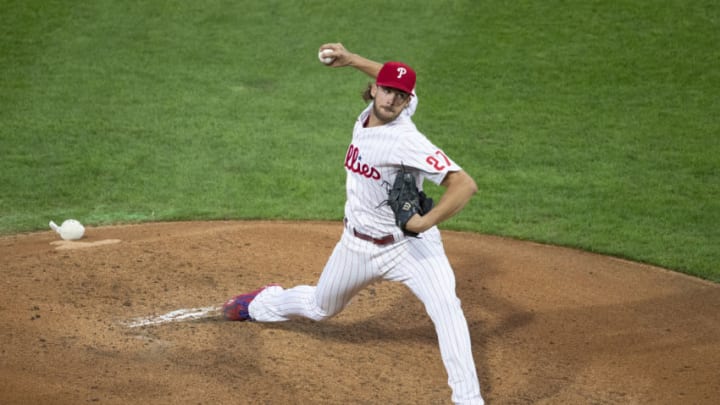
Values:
[(406, 200)]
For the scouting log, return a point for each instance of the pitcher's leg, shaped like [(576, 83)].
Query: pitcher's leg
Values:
[(431, 278), (275, 304), (345, 274)]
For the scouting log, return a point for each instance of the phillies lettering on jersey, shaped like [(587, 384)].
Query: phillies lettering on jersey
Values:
[(352, 163)]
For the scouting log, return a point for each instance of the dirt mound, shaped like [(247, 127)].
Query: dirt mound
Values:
[(548, 324)]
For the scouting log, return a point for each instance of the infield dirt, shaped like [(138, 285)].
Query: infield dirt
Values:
[(549, 325)]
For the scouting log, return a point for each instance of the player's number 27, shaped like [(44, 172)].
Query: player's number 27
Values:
[(438, 160)]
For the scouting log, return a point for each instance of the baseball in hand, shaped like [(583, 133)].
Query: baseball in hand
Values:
[(324, 56)]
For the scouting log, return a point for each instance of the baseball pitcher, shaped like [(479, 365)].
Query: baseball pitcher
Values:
[(390, 230)]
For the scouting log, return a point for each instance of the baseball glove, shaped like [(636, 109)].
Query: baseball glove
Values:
[(406, 200)]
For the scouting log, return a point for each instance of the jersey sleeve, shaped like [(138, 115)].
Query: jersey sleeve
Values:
[(417, 152)]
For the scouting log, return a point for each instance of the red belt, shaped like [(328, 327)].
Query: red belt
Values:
[(385, 240)]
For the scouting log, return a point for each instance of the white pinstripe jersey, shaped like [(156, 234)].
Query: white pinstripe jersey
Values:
[(373, 160)]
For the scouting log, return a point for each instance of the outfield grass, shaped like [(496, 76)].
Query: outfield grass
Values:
[(587, 124)]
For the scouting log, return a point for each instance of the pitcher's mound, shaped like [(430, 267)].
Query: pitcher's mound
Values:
[(128, 315)]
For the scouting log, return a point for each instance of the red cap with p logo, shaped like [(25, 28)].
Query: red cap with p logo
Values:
[(396, 75)]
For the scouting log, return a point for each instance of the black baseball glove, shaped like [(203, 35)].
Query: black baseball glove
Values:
[(406, 200)]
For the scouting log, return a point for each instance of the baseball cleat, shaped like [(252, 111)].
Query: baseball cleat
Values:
[(236, 308)]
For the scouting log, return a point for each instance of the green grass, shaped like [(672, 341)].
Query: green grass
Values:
[(586, 124)]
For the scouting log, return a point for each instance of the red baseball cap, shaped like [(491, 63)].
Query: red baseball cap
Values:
[(396, 75)]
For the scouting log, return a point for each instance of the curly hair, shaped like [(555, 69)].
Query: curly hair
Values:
[(367, 94)]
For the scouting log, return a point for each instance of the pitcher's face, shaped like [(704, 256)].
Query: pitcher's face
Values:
[(388, 103)]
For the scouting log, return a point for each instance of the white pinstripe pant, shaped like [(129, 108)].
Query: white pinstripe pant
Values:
[(420, 264)]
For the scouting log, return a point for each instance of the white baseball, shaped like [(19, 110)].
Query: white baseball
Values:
[(324, 56)]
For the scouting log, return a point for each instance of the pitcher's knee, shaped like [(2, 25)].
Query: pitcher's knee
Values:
[(320, 314), (442, 306)]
